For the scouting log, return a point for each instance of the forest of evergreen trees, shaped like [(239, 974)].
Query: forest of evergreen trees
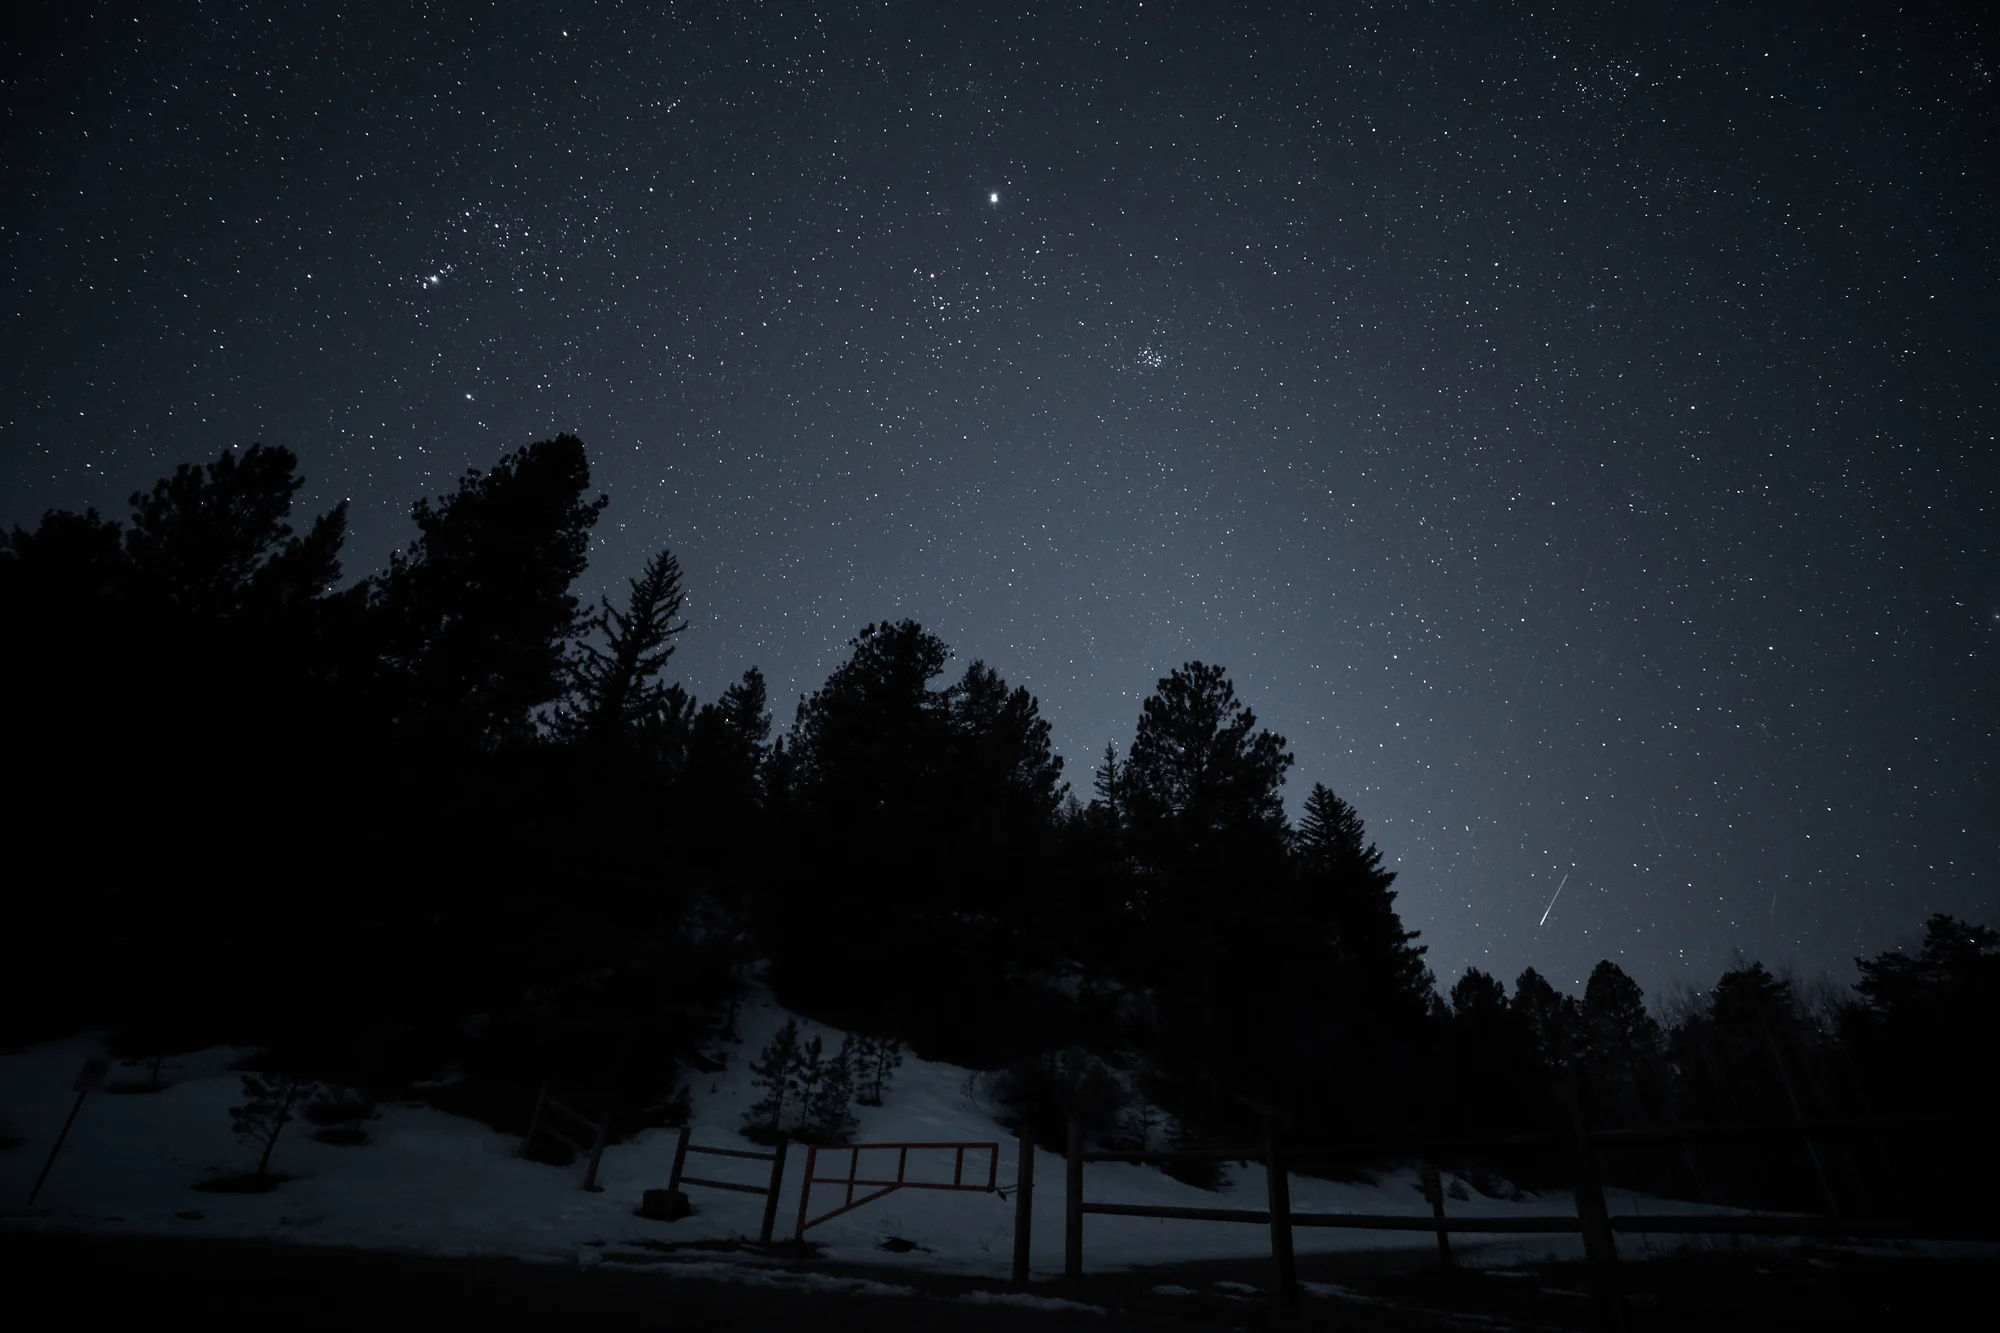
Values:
[(447, 813)]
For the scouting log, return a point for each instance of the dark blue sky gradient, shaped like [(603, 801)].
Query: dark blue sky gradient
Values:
[(1575, 431)]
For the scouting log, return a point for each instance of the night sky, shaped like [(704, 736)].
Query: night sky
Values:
[(1575, 431)]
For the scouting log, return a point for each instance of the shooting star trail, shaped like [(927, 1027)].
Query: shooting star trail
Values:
[(1552, 902)]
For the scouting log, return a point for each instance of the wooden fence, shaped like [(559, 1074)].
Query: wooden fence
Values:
[(776, 1157), (598, 1130), (1598, 1226)]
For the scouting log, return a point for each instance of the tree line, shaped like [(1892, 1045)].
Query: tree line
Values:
[(447, 811)]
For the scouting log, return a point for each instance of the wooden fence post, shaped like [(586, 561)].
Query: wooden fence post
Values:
[(40, 1180), (597, 1153), (805, 1189), (1024, 1201), (1284, 1277), (771, 1198), (1073, 1205), (535, 1120), (1599, 1247), (1434, 1191), (680, 1161)]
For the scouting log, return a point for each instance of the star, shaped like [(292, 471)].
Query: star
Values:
[(993, 198)]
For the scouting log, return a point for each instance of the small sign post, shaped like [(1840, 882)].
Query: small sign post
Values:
[(88, 1080)]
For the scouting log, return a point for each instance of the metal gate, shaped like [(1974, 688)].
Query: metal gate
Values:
[(854, 1180)]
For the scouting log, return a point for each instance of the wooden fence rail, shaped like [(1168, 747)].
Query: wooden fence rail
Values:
[(1593, 1219), (678, 1176), (599, 1131)]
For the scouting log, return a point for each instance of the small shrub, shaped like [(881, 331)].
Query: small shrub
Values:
[(772, 1074), (673, 1110), (147, 1077), (1204, 1173), (1139, 1126), (804, 1076), (828, 1112), (342, 1115), (1050, 1090), (875, 1060), (266, 1110), (805, 1090)]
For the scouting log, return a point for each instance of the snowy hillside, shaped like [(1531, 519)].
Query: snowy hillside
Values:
[(436, 1183)]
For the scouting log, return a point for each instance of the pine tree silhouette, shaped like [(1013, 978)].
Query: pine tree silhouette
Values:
[(615, 691), (1621, 1041), (876, 1058), (829, 1106), (266, 1110), (1347, 887), (477, 615), (806, 1077), (1554, 1022), (773, 1071)]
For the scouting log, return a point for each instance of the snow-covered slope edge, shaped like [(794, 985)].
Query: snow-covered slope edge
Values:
[(444, 1185)]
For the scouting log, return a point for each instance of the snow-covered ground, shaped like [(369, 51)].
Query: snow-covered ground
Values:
[(436, 1183)]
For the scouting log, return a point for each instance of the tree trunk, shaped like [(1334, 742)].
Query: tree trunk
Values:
[(277, 1126)]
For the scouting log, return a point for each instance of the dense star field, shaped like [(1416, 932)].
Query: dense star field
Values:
[(1574, 431)]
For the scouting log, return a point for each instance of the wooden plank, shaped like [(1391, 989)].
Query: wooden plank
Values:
[(771, 1190), (724, 1185), (1313, 1157), (1418, 1222), (1278, 1192), (1876, 1229), (1073, 1205), (597, 1153), (1024, 1201), (1543, 1223), (680, 1160), (989, 1144), (1184, 1214), (734, 1152), (805, 1190), (902, 1184), (1852, 1128), (1600, 1243)]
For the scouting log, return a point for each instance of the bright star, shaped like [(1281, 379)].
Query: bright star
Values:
[(993, 198)]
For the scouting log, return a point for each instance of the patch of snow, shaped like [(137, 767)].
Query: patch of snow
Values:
[(1027, 1302), (440, 1184), (784, 1279)]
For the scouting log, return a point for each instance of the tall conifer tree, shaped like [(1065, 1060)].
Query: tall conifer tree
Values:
[(1346, 886), (616, 689)]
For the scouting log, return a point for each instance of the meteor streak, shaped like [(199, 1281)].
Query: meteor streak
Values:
[(1552, 901)]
